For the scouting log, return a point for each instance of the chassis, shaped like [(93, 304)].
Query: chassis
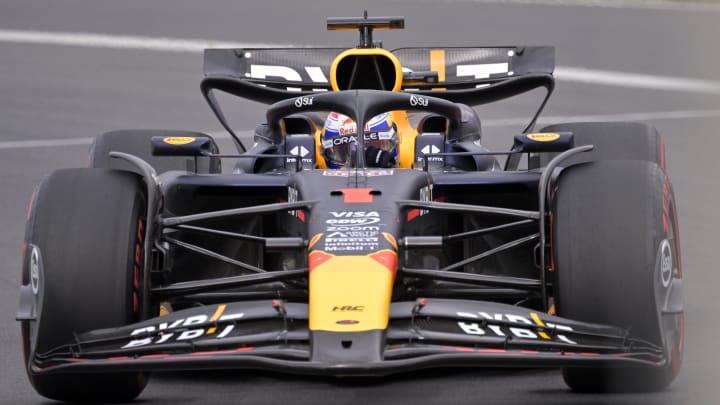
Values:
[(566, 255)]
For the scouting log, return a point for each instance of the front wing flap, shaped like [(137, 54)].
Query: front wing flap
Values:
[(274, 335)]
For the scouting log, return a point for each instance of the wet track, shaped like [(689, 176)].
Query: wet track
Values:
[(68, 93)]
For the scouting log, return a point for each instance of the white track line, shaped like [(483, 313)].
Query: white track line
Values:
[(664, 5), (648, 116), (500, 122), (45, 143), (635, 80), (563, 73), (92, 40)]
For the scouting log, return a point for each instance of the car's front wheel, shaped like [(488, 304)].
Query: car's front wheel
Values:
[(617, 262), (83, 262)]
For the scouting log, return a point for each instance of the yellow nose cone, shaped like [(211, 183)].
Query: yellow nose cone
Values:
[(351, 293)]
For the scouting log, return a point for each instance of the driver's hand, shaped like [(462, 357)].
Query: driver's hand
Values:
[(376, 157)]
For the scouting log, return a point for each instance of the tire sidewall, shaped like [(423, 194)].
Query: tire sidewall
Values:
[(72, 301)]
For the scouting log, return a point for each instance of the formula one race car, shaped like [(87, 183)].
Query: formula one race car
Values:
[(326, 252)]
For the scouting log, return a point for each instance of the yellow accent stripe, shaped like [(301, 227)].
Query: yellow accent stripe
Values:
[(319, 157), (314, 240), (220, 309), (437, 64), (407, 134), (539, 322), (388, 236)]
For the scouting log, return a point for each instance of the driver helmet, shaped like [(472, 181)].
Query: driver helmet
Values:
[(339, 142)]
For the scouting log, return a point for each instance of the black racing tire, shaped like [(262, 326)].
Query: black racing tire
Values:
[(612, 141), (85, 230), (137, 142), (616, 258)]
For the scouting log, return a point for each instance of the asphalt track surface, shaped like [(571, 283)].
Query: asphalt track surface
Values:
[(53, 98)]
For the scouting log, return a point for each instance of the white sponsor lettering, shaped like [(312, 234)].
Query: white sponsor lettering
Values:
[(525, 331), (352, 218), (169, 333), (316, 74), (354, 214), (352, 234), (471, 328), (191, 334), (164, 338), (353, 221), (283, 72), (481, 71), (562, 328), (352, 228), (366, 173), (195, 320)]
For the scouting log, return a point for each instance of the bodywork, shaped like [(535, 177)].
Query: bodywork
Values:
[(286, 266)]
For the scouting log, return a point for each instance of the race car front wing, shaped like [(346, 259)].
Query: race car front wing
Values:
[(274, 335)]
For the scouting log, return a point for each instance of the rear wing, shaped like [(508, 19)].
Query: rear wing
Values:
[(469, 75), (268, 75)]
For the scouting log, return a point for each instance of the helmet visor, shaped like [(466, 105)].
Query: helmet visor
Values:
[(341, 149)]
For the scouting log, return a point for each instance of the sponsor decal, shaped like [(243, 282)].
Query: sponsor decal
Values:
[(348, 137), (515, 325), (357, 231), (346, 308), (365, 173), (420, 101), (543, 137), (378, 172), (178, 140), (299, 151), (484, 70), (184, 329), (430, 149), (347, 322), (319, 74), (303, 101), (340, 125), (35, 270), (336, 173), (666, 263), (354, 217), (348, 126)]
